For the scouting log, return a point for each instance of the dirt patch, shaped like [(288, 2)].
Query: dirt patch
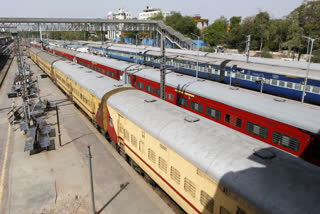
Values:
[(69, 205)]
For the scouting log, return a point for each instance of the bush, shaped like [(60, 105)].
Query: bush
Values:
[(315, 56), (208, 49), (265, 53)]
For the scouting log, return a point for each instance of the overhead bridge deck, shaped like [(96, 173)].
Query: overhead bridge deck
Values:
[(94, 25)]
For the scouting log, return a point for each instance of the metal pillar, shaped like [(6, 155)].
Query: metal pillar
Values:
[(58, 122), (163, 68), (248, 47), (197, 71), (102, 35), (136, 49), (40, 35), (307, 74), (91, 182)]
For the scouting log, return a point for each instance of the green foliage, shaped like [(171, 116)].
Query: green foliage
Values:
[(235, 35), (294, 34), (130, 34), (183, 24), (261, 24), (269, 34), (276, 34), (217, 32), (265, 53), (208, 49), (316, 56), (159, 16)]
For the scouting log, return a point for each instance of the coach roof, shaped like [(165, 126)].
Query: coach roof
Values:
[(282, 184)]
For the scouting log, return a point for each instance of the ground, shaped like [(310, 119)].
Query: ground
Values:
[(57, 181)]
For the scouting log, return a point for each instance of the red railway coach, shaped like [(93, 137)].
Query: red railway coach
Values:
[(114, 69), (65, 53), (35, 45), (285, 124)]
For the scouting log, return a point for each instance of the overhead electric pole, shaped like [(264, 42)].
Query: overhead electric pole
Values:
[(248, 47), (163, 68), (308, 67)]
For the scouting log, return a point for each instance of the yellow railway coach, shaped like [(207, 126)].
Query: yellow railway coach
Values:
[(204, 167)]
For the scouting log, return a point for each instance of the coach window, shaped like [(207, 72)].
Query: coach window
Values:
[(297, 86), (227, 118), (257, 130), (162, 164), (170, 97), (289, 85), (151, 155), (157, 91), (286, 141), (316, 89), (247, 77), (207, 201), (239, 122), (213, 113), (183, 102), (140, 85), (196, 106), (149, 89), (282, 83), (274, 82), (112, 74), (189, 187), (133, 140), (110, 121), (308, 88)]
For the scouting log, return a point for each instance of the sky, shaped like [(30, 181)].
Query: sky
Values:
[(210, 9)]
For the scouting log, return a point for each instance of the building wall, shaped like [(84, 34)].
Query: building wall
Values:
[(121, 14), (148, 14)]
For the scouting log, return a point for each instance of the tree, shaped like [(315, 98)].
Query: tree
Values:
[(277, 34), (217, 32), (235, 38), (295, 32), (261, 22), (159, 16), (183, 24), (307, 17)]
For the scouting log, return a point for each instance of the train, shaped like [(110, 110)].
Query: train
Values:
[(275, 77), (203, 166), (277, 80), (285, 124)]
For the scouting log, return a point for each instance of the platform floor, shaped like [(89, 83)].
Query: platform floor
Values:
[(57, 181)]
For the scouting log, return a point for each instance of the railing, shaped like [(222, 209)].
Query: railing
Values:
[(94, 25)]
